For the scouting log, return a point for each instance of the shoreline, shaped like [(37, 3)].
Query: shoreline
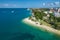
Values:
[(48, 29)]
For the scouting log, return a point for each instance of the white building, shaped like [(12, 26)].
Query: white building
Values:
[(57, 14), (59, 10), (46, 12)]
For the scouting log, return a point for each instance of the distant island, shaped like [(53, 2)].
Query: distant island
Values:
[(45, 18)]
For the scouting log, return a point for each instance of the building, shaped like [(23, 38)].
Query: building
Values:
[(59, 10), (51, 10)]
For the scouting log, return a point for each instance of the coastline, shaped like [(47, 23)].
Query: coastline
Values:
[(48, 29)]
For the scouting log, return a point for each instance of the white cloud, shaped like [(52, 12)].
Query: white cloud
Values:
[(6, 4), (44, 4), (14, 5), (52, 3), (57, 3), (48, 4)]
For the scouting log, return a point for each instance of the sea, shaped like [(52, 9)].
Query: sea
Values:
[(12, 27)]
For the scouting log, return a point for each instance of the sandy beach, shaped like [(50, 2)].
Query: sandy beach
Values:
[(49, 29)]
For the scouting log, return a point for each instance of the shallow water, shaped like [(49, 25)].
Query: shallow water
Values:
[(12, 27)]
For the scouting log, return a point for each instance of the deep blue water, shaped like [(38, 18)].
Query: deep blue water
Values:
[(12, 27)]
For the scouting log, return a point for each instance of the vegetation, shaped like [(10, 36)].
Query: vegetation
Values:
[(44, 19)]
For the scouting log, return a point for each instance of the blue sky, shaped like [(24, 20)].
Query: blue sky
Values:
[(29, 3)]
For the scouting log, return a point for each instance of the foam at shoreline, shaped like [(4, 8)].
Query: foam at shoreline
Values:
[(49, 29)]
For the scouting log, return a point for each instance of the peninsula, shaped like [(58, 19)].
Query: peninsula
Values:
[(45, 18)]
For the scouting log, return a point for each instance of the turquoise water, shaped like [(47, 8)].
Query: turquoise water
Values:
[(12, 27)]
